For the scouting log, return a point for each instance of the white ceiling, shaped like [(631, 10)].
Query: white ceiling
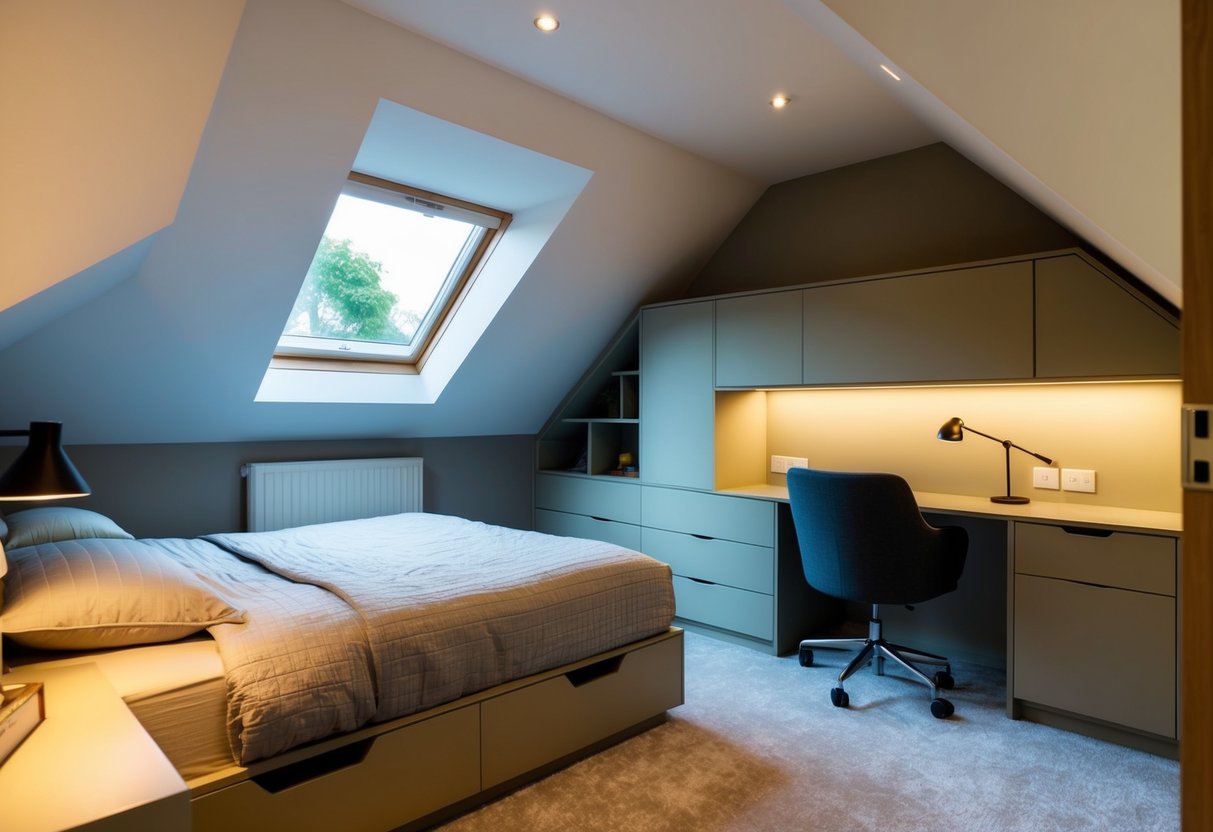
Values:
[(696, 73)]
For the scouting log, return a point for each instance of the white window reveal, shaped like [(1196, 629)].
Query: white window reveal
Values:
[(392, 265)]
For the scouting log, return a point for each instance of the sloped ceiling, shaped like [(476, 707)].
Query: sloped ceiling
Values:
[(138, 308), (176, 352), (1076, 105), (103, 107)]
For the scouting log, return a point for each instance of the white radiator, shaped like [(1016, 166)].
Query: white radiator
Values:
[(286, 494)]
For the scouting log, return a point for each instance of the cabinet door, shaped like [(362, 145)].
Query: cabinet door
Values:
[(1096, 651), (758, 340), (1089, 325), (677, 399), (959, 325)]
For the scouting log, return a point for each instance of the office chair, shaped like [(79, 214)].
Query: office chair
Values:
[(863, 539)]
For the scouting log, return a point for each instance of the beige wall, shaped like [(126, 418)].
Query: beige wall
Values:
[(104, 105), (1127, 432)]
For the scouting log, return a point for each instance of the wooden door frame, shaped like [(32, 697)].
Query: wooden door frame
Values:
[(1196, 574)]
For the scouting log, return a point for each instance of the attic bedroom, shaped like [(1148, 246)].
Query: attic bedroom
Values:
[(724, 242)]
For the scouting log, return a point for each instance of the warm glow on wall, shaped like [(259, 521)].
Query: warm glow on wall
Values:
[(1127, 431)]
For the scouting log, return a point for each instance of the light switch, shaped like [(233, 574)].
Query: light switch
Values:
[(1043, 477), (1078, 479)]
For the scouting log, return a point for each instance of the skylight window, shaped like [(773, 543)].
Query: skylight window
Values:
[(390, 268)]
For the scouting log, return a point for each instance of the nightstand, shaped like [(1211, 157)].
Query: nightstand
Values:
[(89, 765)]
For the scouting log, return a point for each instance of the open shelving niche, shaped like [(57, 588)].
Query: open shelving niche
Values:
[(600, 418)]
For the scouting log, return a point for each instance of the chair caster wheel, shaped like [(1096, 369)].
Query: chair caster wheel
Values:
[(806, 656), (943, 679), (840, 699), (941, 708)]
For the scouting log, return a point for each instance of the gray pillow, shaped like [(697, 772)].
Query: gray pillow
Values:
[(100, 593), (48, 524), (3, 530)]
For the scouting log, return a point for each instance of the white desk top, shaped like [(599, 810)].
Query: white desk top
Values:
[(1129, 519)]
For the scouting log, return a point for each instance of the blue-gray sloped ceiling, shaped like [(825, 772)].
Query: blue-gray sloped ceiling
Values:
[(168, 341)]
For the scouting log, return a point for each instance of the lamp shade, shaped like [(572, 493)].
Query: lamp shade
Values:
[(42, 471), (952, 430)]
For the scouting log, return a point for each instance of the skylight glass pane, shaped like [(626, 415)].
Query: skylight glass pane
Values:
[(381, 274)]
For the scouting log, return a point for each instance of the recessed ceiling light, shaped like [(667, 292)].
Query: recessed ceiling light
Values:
[(780, 101), (547, 23), (894, 75)]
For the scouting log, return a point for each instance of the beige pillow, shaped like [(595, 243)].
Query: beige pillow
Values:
[(47, 524), (97, 593)]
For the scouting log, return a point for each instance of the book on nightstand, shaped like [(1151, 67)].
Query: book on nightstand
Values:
[(21, 709)]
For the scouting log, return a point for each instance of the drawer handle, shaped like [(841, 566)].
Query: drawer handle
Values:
[(587, 674), (1086, 532), (601, 519), (701, 536), (294, 774), (701, 581)]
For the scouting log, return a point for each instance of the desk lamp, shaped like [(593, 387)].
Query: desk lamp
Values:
[(41, 472), (953, 431)]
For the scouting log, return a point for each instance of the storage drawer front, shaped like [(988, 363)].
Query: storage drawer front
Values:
[(1130, 561), (1096, 651), (579, 525), (611, 499), (726, 607), (720, 561), (711, 515), (407, 774), (531, 726)]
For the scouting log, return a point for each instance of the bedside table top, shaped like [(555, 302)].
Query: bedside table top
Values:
[(89, 764)]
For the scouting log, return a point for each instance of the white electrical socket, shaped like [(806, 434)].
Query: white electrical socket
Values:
[(1045, 478), (1078, 479), (781, 464)]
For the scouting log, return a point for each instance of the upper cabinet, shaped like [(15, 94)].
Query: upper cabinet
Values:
[(959, 325), (1090, 325), (758, 340), (1054, 316)]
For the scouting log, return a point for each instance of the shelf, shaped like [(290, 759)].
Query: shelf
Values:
[(600, 420)]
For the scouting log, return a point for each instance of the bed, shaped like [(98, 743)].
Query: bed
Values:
[(374, 674)]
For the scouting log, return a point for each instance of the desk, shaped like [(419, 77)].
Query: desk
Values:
[(1091, 613), (1120, 519)]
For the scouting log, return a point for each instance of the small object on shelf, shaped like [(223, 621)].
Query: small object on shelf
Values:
[(630, 471), (627, 460), (21, 710)]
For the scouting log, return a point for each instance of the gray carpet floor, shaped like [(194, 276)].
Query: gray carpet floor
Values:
[(758, 746)]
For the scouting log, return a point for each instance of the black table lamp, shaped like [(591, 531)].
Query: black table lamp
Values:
[(42, 471), (953, 431)]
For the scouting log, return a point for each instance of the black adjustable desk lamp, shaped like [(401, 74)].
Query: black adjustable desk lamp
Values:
[(953, 431)]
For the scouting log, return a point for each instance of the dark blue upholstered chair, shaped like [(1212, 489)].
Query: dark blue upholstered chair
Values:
[(863, 539)]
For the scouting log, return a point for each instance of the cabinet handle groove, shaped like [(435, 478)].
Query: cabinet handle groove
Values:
[(1087, 532), (701, 536)]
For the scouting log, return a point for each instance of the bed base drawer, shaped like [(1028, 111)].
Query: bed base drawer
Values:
[(404, 774), (422, 769), (529, 727)]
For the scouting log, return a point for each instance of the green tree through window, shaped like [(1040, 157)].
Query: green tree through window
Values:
[(342, 297)]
